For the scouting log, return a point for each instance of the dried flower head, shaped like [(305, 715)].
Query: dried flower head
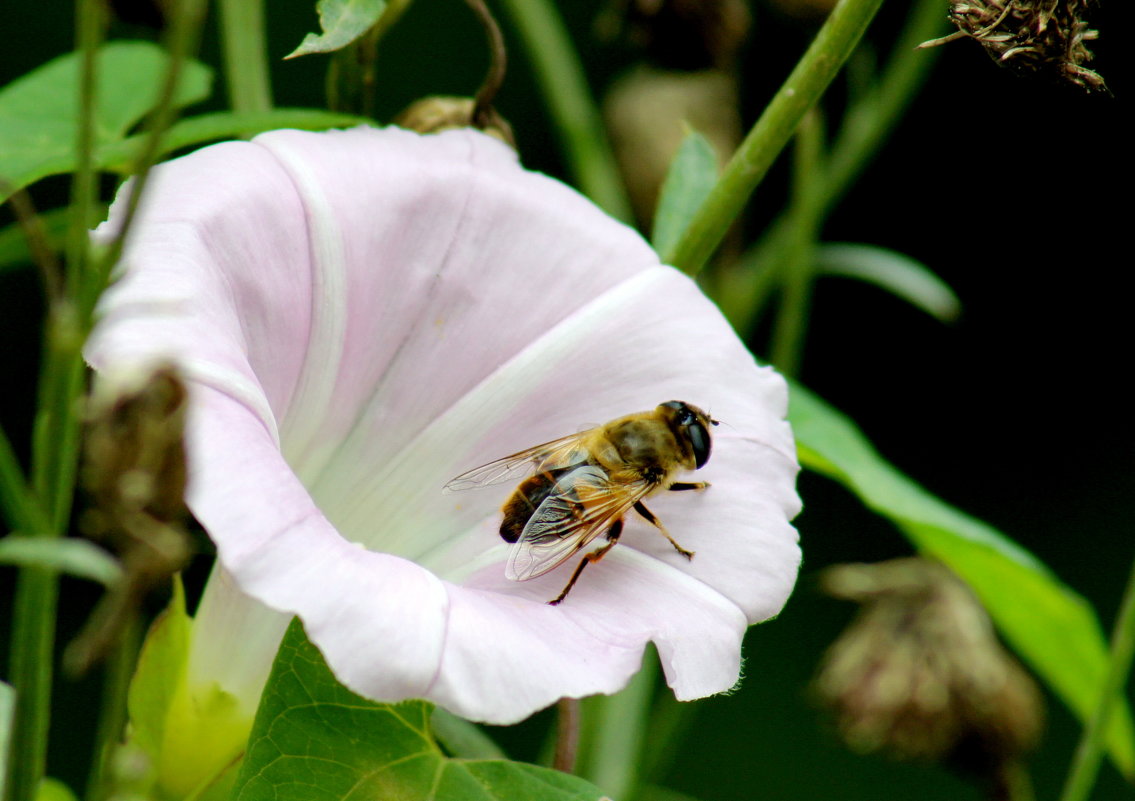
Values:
[(439, 113), (920, 673), (1036, 36), (135, 476)]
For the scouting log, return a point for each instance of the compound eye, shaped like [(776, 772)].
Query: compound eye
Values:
[(699, 441), (685, 417)]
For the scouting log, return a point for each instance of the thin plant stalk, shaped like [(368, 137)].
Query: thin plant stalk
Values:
[(820, 64), (55, 435), (118, 671), (613, 747), (54, 452), (1090, 751), (564, 88), (245, 51), (798, 268), (743, 289)]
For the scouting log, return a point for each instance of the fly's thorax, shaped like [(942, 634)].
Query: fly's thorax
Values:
[(646, 445)]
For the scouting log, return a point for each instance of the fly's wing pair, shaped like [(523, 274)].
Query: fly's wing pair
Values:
[(558, 453), (583, 504)]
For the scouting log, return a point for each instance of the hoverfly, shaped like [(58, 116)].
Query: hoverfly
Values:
[(581, 486)]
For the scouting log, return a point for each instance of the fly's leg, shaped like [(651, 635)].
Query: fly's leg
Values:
[(697, 486), (640, 507), (612, 537)]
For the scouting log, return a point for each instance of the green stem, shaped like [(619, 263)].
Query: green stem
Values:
[(112, 715), (822, 61), (742, 290), (798, 268), (564, 89), (17, 501), (245, 55), (1090, 751), (54, 452), (616, 732)]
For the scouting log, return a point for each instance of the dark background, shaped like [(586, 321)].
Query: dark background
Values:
[(1014, 191)]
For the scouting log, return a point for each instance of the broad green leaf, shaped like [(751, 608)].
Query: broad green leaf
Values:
[(39, 111), (7, 720), (691, 176), (895, 272), (74, 557), (342, 22), (1054, 629), (119, 156), (314, 739)]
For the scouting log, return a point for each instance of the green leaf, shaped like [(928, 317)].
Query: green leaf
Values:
[(342, 22), (691, 176), (314, 739), (7, 721), (119, 156), (1054, 629), (39, 111), (71, 556), (895, 272)]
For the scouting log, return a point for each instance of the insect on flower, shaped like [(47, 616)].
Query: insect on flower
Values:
[(582, 485)]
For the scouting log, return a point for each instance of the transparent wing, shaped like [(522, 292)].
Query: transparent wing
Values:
[(583, 504), (558, 453)]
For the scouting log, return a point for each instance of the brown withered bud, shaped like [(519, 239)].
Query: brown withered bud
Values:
[(441, 113), (134, 475), (680, 34), (920, 674), (647, 113), (1030, 36)]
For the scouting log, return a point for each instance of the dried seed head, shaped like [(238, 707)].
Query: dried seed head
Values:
[(1034, 36), (134, 474), (440, 113), (920, 674)]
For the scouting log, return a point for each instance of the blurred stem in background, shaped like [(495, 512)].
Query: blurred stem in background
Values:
[(799, 258), (245, 51), (1090, 751), (576, 119), (54, 451), (56, 429), (743, 289)]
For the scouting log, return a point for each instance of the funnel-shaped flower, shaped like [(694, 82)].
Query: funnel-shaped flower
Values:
[(363, 315)]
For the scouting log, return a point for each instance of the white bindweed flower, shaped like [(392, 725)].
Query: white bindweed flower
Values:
[(363, 315)]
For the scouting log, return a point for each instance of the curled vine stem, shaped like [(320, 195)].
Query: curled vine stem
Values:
[(483, 115)]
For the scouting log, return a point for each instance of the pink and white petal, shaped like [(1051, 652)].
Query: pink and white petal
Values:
[(283, 552), (592, 643), (215, 275), (394, 309)]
